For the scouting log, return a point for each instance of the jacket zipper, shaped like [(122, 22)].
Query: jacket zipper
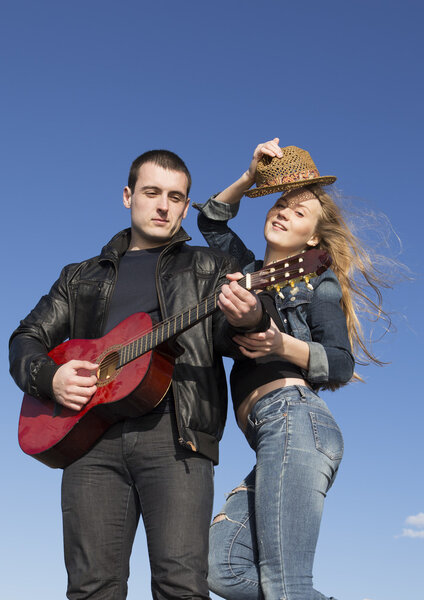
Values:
[(181, 440), (109, 297)]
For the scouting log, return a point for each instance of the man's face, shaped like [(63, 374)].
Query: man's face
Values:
[(158, 205)]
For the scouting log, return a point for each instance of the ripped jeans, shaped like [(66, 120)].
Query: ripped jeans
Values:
[(262, 543)]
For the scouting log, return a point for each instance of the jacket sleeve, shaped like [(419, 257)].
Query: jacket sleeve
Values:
[(46, 326), (331, 360), (212, 222)]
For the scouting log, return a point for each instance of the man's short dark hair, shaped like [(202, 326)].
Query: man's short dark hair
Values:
[(163, 158)]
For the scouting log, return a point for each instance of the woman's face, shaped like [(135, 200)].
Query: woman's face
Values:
[(290, 224)]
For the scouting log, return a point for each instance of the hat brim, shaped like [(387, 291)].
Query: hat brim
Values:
[(283, 187)]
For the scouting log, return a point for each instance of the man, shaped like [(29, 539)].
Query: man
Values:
[(159, 465)]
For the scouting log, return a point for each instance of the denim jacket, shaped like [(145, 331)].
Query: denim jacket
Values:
[(314, 316)]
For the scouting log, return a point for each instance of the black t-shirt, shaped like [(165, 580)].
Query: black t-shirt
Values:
[(135, 291), (135, 288)]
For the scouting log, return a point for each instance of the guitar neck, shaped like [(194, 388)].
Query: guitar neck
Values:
[(303, 266), (171, 327)]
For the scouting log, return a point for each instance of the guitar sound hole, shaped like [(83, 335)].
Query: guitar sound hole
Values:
[(107, 370)]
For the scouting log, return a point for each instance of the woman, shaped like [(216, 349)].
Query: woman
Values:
[(262, 543)]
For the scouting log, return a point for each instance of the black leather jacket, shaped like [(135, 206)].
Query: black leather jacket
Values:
[(77, 307)]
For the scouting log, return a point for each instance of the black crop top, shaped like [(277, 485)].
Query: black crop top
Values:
[(250, 373)]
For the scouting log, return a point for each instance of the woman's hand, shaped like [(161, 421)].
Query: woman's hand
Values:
[(255, 345), (233, 193), (274, 341), (270, 148)]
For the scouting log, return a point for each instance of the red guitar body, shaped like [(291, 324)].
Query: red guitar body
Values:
[(56, 435)]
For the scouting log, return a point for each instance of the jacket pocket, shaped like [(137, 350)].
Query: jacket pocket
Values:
[(293, 309), (327, 435), (291, 300)]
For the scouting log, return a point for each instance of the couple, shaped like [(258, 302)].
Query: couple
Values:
[(286, 346)]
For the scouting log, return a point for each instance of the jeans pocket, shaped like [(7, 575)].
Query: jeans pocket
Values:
[(327, 435), (268, 411)]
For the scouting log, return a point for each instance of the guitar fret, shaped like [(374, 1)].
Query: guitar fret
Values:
[(282, 271)]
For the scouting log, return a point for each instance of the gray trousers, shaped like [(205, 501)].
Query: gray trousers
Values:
[(138, 467)]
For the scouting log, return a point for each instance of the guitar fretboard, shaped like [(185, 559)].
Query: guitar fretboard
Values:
[(312, 262), (171, 327)]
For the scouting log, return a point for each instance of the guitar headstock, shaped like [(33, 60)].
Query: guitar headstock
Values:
[(301, 267)]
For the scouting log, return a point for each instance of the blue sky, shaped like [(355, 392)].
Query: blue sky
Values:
[(86, 87)]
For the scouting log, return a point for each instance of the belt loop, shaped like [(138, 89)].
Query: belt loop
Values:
[(301, 392)]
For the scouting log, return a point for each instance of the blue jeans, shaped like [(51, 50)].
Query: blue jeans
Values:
[(262, 544), (138, 467)]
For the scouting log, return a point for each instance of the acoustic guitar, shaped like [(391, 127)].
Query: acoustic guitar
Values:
[(136, 361)]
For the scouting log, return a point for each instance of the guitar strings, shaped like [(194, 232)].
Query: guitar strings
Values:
[(254, 278), (172, 321), (109, 360)]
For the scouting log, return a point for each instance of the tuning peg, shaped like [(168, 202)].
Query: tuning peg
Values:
[(308, 285), (277, 287), (294, 289)]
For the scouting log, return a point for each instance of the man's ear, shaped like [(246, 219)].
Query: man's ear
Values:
[(126, 197), (186, 208)]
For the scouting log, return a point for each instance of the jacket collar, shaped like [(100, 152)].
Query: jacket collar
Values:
[(118, 245)]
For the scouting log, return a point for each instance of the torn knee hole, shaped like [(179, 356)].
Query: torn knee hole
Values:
[(219, 517), (223, 517), (240, 488)]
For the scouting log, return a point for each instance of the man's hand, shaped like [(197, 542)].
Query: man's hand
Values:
[(240, 307), (71, 389), (270, 148)]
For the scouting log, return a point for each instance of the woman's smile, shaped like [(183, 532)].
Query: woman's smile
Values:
[(291, 223)]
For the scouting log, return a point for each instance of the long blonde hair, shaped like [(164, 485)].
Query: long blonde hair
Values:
[(356, 272)]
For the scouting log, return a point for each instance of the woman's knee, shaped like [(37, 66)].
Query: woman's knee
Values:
[(232, 553)]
